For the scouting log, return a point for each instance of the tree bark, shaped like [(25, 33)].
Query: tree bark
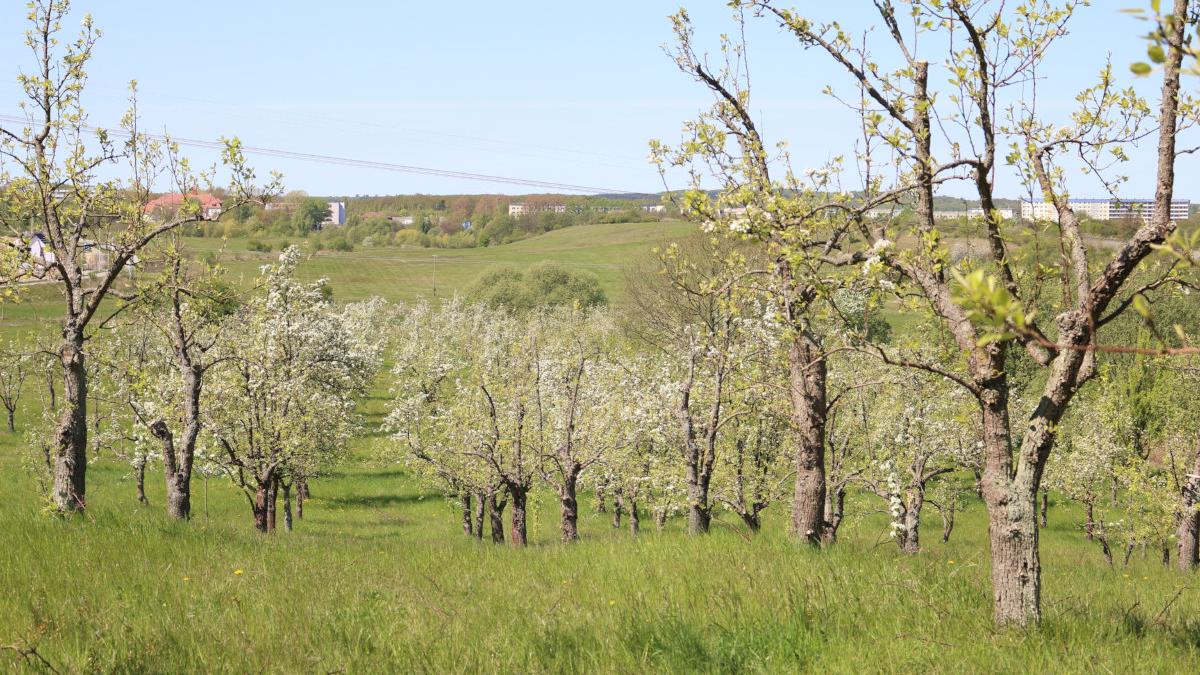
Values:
[(12, 421), (806, 391), (519, 495), (911, 541), (178, 460), (1012, 519), (261, 504), (948, 521), (468, 523), (287, 506), (618, 507), (272, 499), (69, 490), (1044, 507), (140, 476), (660, 519), (569, 505), (495, 511), (752, 521), (301, 497), (835, 509), (1188, 533), (634, 524), (478, 508), (1089, 525)]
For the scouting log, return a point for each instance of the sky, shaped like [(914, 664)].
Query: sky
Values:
[(568, 92)]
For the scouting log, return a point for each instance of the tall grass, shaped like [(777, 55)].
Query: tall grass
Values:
[(379, 577)]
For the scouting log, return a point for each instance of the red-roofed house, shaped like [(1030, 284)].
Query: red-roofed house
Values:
[(168, 205)]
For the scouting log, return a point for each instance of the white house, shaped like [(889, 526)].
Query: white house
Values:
[(40, 250)]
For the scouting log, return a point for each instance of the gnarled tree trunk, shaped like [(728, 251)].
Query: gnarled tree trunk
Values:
[(69, 488), (519, 495), (495, 509), (569, 503), (806, 390)]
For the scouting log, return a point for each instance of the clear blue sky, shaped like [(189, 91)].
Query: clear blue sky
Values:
[(552, 90)]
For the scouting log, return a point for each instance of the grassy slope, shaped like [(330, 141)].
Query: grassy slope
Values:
[(407, 273), (379, 577)]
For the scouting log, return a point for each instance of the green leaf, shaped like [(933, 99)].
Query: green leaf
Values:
[(1140, 68), (1141, 306)]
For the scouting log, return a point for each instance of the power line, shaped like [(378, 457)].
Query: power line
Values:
[(346, 161)]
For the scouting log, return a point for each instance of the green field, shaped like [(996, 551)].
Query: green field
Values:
[(401, 274), (378, 577)]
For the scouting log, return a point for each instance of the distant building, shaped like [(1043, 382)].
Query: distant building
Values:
[(96, 256), (654, 208), (1105, 209), (168, 205), (518, 209), (39, 251), (403, 220), (337, 214)]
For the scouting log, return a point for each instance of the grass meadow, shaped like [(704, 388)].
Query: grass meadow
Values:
[(378, 576)]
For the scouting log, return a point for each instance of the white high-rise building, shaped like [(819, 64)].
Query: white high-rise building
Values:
[(1104, 209), (337, 214)]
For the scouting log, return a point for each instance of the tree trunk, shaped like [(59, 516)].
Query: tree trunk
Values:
[(1188, 533), (518, 495), (569, 504), (911, 541), (176, 473), (660, 519), (178, 460), (272, 499), (618, 507), (1012, 517), (806, 391), (467, 522), (12, 421), (139, 470), (752, 521), (699, 518), (69, 489), (1016, 567), (835, 509), (301, 497), (1090, 525), (948, 520), (634, 524), (259, 505), (496, 514), (287, 506), (179, 498), (478, 508)]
